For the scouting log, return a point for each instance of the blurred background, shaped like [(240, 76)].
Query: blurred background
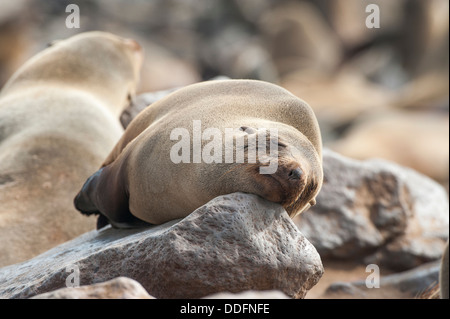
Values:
[(381, 92)]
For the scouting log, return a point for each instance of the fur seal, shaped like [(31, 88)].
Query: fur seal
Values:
[(138, 182), (58, 121)]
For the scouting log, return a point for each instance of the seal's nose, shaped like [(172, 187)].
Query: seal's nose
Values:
[(295, 174)]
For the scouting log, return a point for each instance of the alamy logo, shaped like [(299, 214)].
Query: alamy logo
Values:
[(73, 279), (243, 145), (373, 280), (73, 19), (373, 19)]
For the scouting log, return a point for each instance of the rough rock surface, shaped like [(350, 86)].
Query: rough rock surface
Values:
[(233, 243), (388, 214), (118, 288)]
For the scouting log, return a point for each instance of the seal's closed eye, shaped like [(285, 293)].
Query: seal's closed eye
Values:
[(248, 130)]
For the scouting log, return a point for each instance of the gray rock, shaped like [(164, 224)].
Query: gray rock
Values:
[(388, 214), (234, 243), (408, 284), (250, 294), (118, 288), (345, 288)]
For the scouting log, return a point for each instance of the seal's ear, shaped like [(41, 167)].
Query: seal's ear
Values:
[(313, 202)]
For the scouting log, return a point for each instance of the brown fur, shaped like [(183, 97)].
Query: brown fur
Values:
[(58, 121), (155, 190)]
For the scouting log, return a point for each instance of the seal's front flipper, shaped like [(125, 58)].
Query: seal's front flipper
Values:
[(105, 194), (83, 201), (102, 221)]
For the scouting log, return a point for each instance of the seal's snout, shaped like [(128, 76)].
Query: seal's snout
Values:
[(295, 174), (290, 174), (290, 180)]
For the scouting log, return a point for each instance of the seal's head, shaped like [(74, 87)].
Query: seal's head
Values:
[(280, 168), (97, 62)]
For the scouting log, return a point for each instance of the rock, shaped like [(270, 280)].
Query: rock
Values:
[(163, 70), (408, 251), (14, 32), (408, 284), (376, 208), (349, 96), (417, 140), (250, 294), (426, 92), (299, 38), (252, 10), (348, 18), (234, 243), (425, 37), (346, 289), (379, 65), (245, 56), (118, 288)]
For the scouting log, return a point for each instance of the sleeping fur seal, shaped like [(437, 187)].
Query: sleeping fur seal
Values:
[(58, 121), (141, 183)]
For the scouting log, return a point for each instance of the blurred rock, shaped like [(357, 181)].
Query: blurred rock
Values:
[(375, 208), (118, 288), (408, 284), (299, 38), (141, 14), (239, 55), (379, 64), (338, 99), (344, 290), (162, 70), (428, 92), (14, 29), (408, 251), (252, 10), (417, 140), (234, 243), (425, 37), (348, 19), (251, 294)]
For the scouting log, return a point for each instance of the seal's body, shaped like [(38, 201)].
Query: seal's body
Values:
[(58, 121), (140, 182)]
